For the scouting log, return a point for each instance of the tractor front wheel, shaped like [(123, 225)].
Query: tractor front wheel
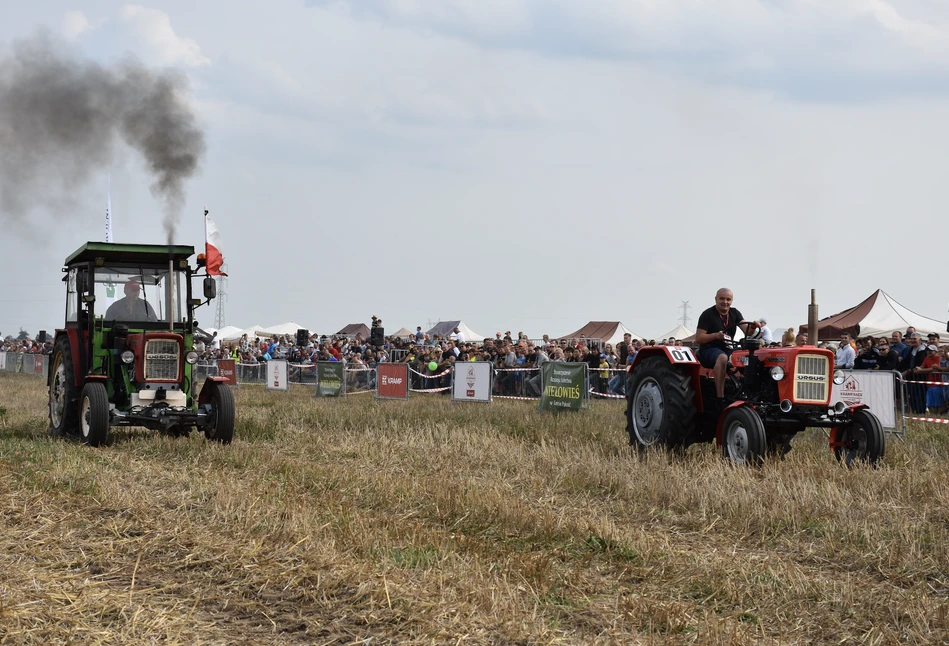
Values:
[(94, 414), (743, 436), (862, 441), (660, 405), (221, 426), (63, 392)]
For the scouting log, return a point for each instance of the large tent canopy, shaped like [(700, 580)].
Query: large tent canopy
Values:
[(226, 332), (251, 332), (604, 331), (680, 333), (284, 329), (355, 329), (877, 315), (445, 329), (403, 333)]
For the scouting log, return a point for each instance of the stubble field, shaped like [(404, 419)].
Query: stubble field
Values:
[(357, 521)]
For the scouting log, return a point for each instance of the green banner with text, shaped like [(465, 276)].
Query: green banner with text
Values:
[(329, 378), (564, 386)]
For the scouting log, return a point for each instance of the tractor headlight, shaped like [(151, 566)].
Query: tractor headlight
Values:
[(777, 373), (191, 357), (839, 377), (128, 356)]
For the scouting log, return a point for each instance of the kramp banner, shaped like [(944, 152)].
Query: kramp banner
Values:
[(564, 386), (329, 379), (226, 368), (392, 381), (875, 388), (277, 378), (472, 382)]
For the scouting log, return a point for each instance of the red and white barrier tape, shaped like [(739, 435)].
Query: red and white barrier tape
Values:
[(441, 374), (359, 392), (607, 395), (429, 390), (936, 420), (513, 397)]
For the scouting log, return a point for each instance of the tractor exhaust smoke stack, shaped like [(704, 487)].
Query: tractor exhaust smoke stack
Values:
[(61, 118)]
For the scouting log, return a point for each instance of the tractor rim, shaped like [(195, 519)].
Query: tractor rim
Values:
[(737, 441), (857, 443), (57, 395), (647, 411), (84, 415)]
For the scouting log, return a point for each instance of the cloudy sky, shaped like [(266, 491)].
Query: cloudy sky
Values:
[(520, 164)]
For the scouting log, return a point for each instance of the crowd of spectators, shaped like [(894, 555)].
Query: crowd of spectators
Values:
[(26, 346)]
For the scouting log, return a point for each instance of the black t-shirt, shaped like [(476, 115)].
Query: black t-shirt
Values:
[(889, 361), (711, 321)]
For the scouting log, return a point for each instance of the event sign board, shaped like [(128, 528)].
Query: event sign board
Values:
[(329, 379), (564, 386), (472, 381), (392, 381), (277, 377), (37, 364), (875, 388), (227, 368)]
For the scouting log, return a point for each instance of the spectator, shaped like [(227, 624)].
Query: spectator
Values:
[(845, 353), (897, 345)]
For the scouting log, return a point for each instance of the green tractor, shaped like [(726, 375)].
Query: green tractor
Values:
[(124, 357)]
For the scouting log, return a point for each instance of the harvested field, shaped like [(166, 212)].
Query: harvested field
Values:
[(357, 521)]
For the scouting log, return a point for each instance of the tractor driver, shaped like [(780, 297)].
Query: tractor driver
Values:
[(131, 308), (716, 326)]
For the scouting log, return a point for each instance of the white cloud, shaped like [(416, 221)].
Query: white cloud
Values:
[(74, 25), (154, 29)]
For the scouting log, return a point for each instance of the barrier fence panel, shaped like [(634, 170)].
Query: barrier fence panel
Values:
[(877, 389), (926, 398)]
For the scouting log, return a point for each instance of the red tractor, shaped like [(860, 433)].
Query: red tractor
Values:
[(771, 395)]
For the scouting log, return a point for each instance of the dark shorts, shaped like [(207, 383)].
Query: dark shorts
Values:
[(708, 356)]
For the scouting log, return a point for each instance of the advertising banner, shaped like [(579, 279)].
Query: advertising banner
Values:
[(392, 381), (472, 381), (329, 379), (875, 388), (277, 377), (37, 364), (227, 368), (564, 386)]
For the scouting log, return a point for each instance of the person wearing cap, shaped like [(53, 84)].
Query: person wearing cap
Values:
[(909, 366), (131, 308), (764, 332)]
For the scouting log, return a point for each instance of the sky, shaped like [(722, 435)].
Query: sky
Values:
[(523, 165)]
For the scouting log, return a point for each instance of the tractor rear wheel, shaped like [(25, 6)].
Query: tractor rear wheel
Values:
[(660, 405), (94, 414), (743, 437), (221, 426), (863, 440), (63, 392)]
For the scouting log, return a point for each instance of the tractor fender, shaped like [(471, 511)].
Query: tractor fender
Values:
[(677, 355), (205, 395), (719, 426), (93, 378), (834, 430)]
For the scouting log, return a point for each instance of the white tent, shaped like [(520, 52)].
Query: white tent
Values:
[(251, 332), (226, 332), (445, 328), (284, 329), (878, 315), (605, 331), (681, 332)]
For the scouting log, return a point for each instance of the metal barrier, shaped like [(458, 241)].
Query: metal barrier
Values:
[(29, 364), (926, 399)]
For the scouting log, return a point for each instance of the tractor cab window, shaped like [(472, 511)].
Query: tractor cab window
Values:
[(137, 294), (72, 298)]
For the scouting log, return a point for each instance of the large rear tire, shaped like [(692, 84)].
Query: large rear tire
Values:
[(94, 414), (864, 440), (63, 392), (221, 427), (743, 437), (660, 405)]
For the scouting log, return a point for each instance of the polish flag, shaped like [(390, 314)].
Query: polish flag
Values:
[(212, 248)]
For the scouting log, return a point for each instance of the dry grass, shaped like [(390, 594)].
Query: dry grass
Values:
[(358, 521)]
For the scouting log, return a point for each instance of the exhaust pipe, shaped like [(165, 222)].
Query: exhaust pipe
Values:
[(840, 407), (785, 406)]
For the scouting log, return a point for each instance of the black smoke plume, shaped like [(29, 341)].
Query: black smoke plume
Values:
[(61, 118)]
